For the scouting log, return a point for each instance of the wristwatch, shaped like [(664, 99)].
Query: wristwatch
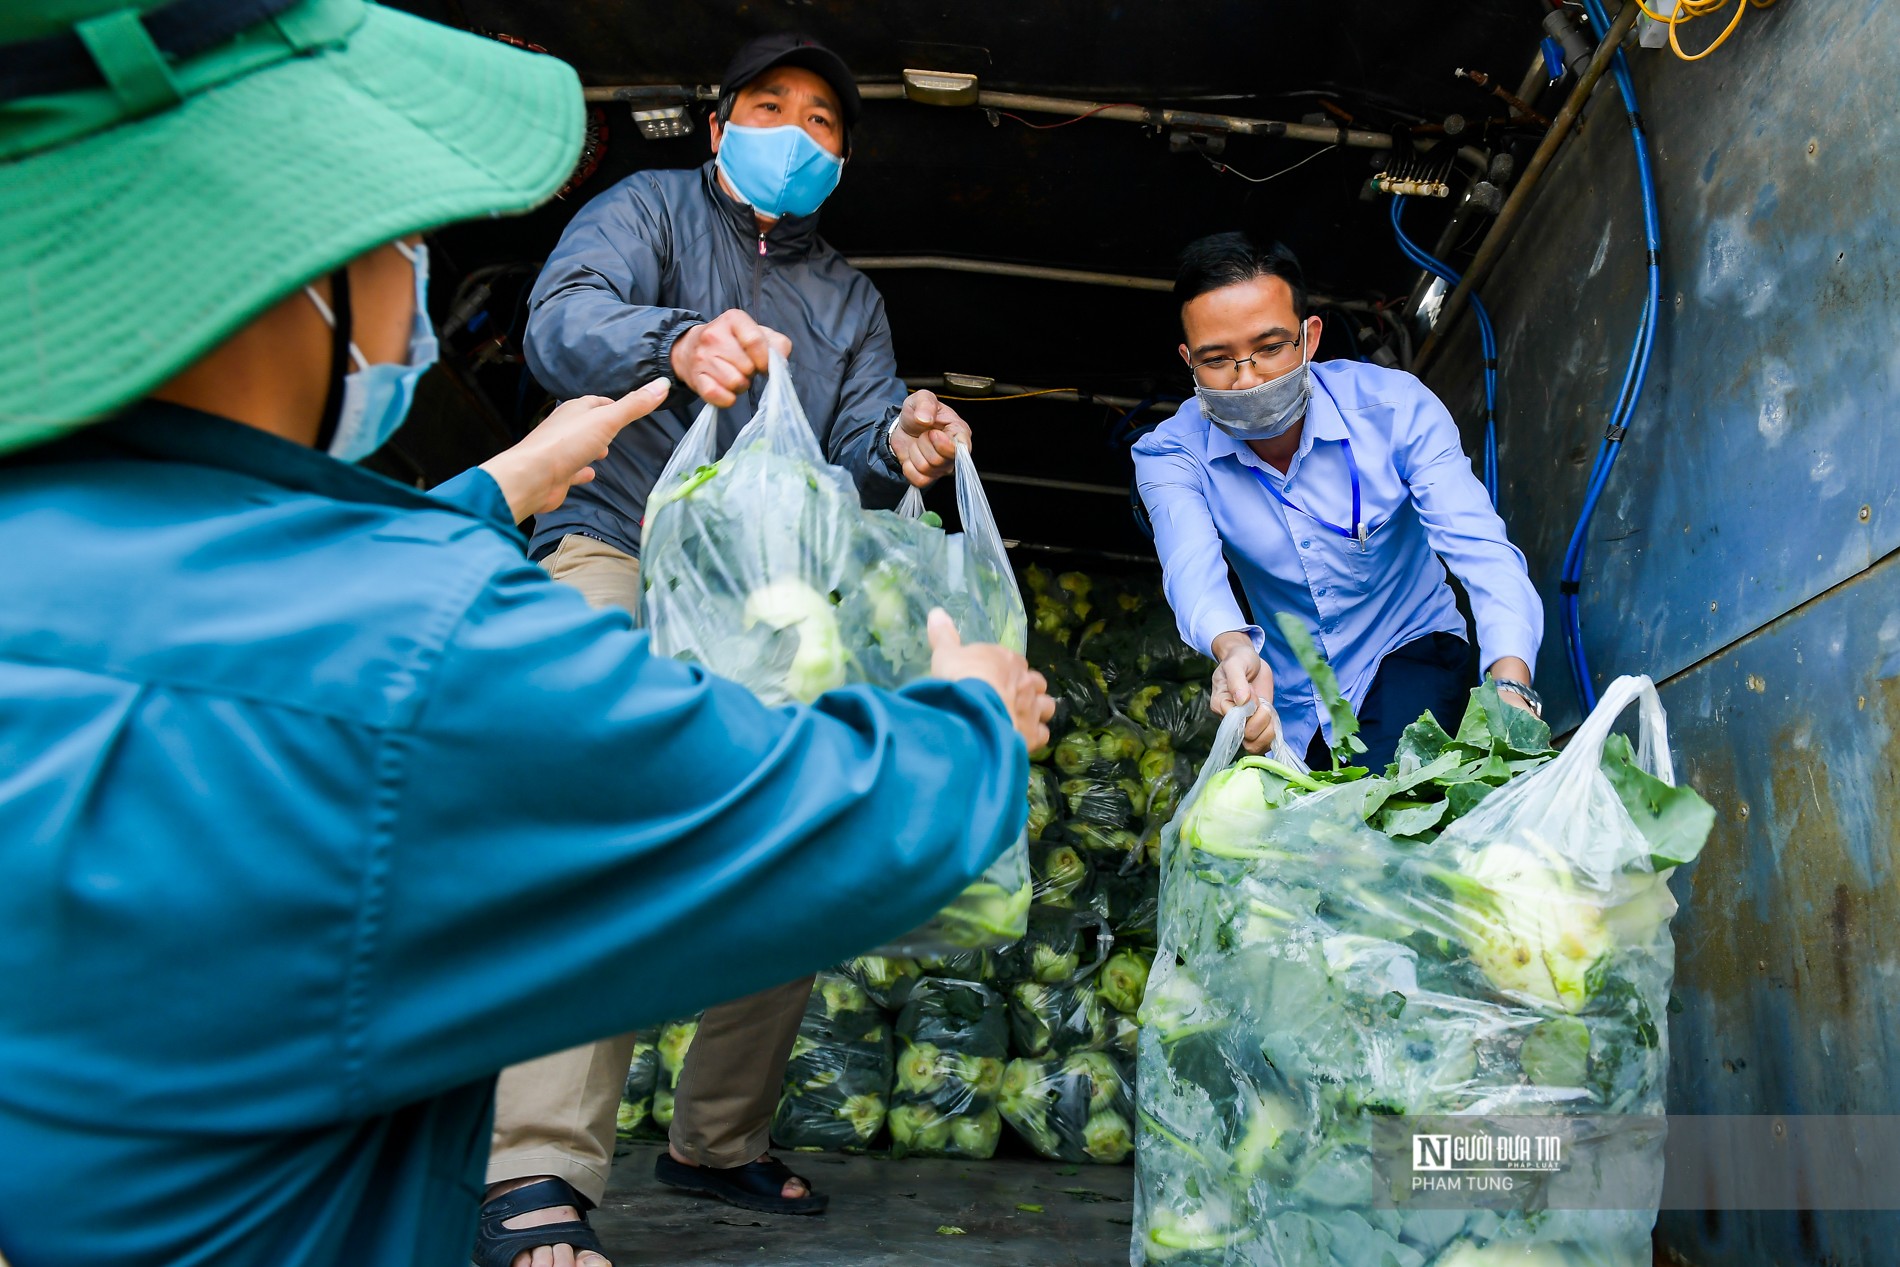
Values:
[(1524, 693)]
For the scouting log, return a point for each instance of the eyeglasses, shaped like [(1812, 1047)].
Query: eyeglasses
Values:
[(1270, 361)]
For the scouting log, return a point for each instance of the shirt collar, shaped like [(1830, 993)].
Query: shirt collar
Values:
[(161, 431), (1323, 422)]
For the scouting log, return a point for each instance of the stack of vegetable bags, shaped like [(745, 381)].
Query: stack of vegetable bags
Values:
[(646, 1101), (839, 1079), (1483, 929), (951, 1046), (764, 567), (1064, 996)]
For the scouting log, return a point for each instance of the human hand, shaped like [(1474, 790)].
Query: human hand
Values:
[(926, 438), (536, 473), (716, 361), (1025, 693), (1241, 675)]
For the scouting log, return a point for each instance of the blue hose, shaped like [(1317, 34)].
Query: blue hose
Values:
[(1486, 332), (1634, 379)]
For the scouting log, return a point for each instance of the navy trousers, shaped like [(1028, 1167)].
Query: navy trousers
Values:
[(1432, 674)]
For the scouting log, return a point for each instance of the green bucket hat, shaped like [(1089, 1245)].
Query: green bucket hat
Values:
[(171, 168)]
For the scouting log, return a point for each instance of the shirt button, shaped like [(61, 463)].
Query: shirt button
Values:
[(1305, 545), (1320, 592)]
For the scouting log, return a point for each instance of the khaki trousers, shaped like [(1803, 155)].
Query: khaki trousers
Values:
[(555, 1115)]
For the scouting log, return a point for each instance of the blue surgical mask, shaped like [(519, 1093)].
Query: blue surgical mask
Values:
[(1265, 411), (778, 171), (376, 398)]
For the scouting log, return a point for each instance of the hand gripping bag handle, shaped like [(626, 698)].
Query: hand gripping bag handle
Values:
[(1226, 750), (779, 424)]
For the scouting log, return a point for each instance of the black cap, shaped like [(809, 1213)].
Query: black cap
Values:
[(786, 48)]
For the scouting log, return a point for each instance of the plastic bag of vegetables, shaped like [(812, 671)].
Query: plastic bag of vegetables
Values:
[(838, 1081), (959, 965), (1062, 943), (1174, 712), (1080, 696), (635, 1118), (1127, 894), (1123, 980), (1076, 1108), (764, 567), (1045, 804), (951, 1046), (675, 1038), (1061, 874), (885, 979), (1483, 929), (1058, 1020)]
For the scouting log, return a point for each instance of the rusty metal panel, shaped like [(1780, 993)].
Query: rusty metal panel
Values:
[(1788, 944), (1764, 464), (1740, 548)]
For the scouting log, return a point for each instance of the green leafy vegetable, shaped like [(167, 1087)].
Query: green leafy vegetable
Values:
[(1346, 741), (1557, 1053), (1676, 821)]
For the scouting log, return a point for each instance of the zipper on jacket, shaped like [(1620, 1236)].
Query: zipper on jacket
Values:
[(758, 276)]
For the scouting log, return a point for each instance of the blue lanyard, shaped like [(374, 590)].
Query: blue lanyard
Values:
[(1355, 534)]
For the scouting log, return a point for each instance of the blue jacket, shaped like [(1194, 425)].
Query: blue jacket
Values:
[(319, 805), (661, 252)]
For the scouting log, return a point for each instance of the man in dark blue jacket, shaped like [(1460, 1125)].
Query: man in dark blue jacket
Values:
[(694, 275)]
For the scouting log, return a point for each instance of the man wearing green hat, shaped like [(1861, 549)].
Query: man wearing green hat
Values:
[(299, 767)]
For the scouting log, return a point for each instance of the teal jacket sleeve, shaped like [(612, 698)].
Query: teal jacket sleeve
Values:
[(578, 837)]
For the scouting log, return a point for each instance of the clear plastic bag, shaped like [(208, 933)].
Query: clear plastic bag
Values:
[(1172, 715), (951, 1045), (1062, 944), (838, 1081), (763, 566), (1127, 893), (1123, 980), (1045, 804), (1317, 977), (1061, 873), (887, 980), (959, 965), (1077, 1108), (1061, 1019)]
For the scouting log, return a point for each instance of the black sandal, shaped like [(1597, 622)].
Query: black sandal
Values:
[(757, 1185), (496, 1245)]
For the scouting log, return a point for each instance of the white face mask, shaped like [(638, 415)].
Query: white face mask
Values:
[(376, 398), (1265, 411)]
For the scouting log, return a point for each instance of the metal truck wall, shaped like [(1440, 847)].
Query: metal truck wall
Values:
[(1737, 554)]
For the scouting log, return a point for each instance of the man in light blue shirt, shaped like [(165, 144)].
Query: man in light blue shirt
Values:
[(1334, 490)]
